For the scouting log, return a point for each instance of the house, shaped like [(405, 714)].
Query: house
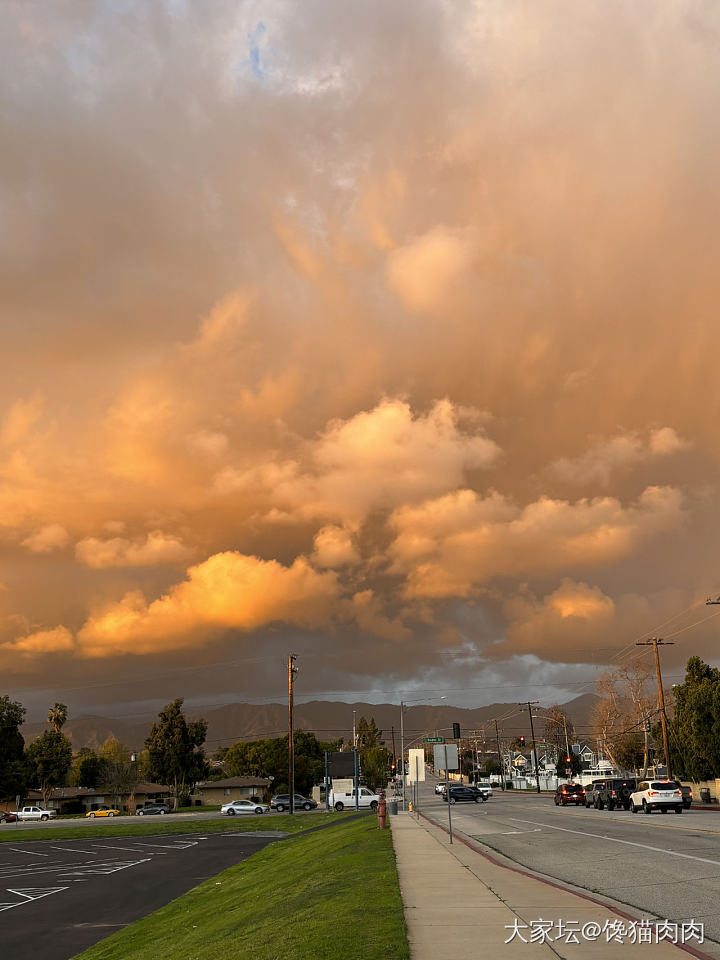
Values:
[(85, 799), (232, 788)]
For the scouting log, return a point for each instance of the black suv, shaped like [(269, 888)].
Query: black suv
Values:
[(610, 793), (458, 794)]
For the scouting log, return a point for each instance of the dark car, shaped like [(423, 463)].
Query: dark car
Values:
[(458, 794), (281, 802), (569, 793), (613, 793), (7, 817), (153, 809), (687, 797)]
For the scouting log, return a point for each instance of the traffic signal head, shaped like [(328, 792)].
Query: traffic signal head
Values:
[(456, 731), (522, 741)]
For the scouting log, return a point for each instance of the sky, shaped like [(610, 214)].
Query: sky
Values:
[(382, 334)]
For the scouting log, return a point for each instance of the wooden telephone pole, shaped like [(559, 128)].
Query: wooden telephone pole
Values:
[(655, 642)]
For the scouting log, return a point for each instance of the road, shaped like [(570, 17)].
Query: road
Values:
[(666, 865), (58, 897)]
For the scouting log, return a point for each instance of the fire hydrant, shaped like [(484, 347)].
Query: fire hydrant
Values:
[(382, 812)]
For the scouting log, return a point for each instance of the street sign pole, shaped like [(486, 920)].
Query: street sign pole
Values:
[(447, 793)]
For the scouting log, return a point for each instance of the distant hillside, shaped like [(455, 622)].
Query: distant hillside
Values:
[(329, 720)]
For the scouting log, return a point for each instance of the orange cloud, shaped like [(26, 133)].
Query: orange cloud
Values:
[(447, 547), (157, 548), (226, 591)]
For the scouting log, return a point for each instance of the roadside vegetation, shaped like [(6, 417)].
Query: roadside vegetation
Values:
[(154, 826), (333, 893)]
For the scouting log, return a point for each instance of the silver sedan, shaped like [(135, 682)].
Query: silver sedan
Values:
[(238, 807)]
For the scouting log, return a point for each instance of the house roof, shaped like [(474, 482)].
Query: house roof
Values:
[(235, 782), (76, 793)]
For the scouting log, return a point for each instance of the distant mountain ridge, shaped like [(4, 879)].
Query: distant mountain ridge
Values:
[(329, 720)]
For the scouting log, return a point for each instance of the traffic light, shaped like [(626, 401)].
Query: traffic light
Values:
[(456, 731), (567, 759), (522, 741)]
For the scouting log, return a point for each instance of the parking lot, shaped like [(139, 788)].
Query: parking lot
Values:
[(59, 897)]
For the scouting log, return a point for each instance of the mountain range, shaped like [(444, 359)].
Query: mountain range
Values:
[(329, 720)]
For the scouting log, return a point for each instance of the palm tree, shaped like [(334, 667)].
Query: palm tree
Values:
[(57, 716)]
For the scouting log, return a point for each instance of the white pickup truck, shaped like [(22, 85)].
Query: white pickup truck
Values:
[(340, 800), (36, 813)]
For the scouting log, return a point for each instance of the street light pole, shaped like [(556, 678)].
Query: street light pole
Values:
[(532, 733)]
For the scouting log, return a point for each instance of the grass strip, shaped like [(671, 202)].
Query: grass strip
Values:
[(329, 894), (154, 826)]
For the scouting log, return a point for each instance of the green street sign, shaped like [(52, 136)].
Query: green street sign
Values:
[(433, 739)]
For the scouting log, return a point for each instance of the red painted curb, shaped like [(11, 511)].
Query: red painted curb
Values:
[(558, 886)]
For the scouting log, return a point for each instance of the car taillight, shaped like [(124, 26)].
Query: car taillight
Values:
[(690, 794), (612, 793), (652, 793), (678, 793)]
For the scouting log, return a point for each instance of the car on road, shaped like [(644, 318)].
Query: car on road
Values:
[(439, 786), (569, 793), (36, 813), (239, 807), (7, 816), (662, 795), (281, 801), (485, 786), (152, 810), (687, 797), (459, 794), (614, 793), (103, 812)]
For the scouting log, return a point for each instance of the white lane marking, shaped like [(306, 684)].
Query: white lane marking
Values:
[(508, 833), (103, 869), (29, 894), (629, 843), (29, 852)]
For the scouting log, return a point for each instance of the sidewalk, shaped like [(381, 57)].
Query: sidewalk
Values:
[(458, 902)]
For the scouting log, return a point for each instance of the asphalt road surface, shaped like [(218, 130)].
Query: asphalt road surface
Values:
[(58, 897), (667, 865)]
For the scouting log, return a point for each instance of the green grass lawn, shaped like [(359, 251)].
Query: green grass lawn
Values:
[(329, 894), (146, 826)]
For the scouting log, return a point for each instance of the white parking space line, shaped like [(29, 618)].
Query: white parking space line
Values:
[(629, 843), (108, 846), (29, 894), (30, 853), (71, 850), (165, 846)]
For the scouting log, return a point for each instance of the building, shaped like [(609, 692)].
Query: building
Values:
[(218, 792), (85, 799)]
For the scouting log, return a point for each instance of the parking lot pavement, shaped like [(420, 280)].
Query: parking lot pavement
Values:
[(58, 897)]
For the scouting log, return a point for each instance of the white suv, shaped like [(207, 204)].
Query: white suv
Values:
[(660, 795)]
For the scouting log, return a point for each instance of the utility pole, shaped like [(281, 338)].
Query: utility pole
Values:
[(354, 733), (292, 670), (500, 760), (392, 734), (534, 747), (655, 642)]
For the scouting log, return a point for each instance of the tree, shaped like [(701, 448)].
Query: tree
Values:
[(624, 706), (558, 728), (175, 749), (367, 734), (13, 770), (118, 771), (49, 757), (269, 758), (630, 750), (375, 763), (88, 769), (694, 731), (57, 716)]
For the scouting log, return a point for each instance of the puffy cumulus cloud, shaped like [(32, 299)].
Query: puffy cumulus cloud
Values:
[(59, 640), (576, 615), (226, 591), (334, 547), (376, 459), (212, 289), (449, 546), (51, 537), (427, 271), (626, 450), (156, 549), (367, 611)]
